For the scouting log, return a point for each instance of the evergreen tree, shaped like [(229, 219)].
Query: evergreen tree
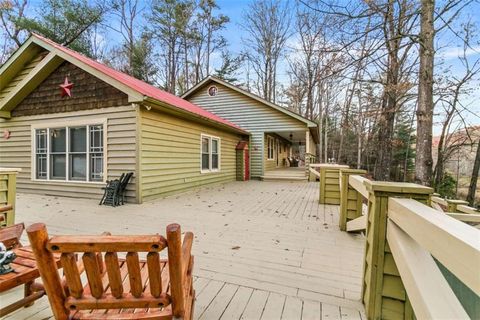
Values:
[(403, 151), (143, 65), (229, 68), (65, 22)]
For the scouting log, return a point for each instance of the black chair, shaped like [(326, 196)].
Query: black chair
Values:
[(114, 191), (123, 186)]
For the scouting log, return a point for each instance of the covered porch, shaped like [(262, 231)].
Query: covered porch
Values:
[(288, 153), (262, 250)]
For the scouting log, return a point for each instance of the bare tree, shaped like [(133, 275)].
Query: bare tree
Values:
[(167, 22), (473, 181), (423, 159), (10, 13), (267, 24), (127, 11), (206, 38)]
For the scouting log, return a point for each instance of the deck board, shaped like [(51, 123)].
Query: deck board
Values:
[(263, 250)]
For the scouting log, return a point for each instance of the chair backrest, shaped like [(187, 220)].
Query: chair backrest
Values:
[(125, 180), (112, 283), (10, 236)]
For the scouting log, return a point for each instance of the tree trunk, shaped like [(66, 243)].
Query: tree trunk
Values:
[(423, 158), (473, 182)]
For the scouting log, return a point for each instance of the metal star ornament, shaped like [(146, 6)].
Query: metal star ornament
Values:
[(66, 88)]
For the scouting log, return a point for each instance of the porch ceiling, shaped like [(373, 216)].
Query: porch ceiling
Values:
[(295, 138)]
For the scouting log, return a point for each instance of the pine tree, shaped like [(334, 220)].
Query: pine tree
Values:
[(65, 22), (228, 71)]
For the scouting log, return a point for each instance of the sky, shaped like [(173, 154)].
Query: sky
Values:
[(447, 42)]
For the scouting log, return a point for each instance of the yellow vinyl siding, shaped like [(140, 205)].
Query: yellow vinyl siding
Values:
[(120, 148), (271, 164), (170, 155)]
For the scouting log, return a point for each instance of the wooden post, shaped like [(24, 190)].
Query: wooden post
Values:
[(8, 192), (452, 204), (38, 236), (330, 183), (350, 199), (174, 239), (308, 159), (383, 293)]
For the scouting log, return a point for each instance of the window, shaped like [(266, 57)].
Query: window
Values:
[(69, 153), (210, 153), (270, 146), (212, 91)]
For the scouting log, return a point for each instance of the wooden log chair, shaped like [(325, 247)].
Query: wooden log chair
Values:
[(10, 236), (117, 288)]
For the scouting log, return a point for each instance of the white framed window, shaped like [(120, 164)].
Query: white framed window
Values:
[(209, 153), (270, 147), (72, 152)]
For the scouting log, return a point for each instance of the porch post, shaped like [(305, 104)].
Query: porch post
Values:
[(307, 153)]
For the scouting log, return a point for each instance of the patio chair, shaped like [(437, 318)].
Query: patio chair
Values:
[(114, 191), (117, 288), (122, 187)]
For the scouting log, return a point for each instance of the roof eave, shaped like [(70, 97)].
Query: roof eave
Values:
[(150, 100)]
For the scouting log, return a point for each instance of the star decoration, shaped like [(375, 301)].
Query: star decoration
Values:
[(66, 88)]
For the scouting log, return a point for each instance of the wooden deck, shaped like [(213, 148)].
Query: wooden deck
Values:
[(264, 250)]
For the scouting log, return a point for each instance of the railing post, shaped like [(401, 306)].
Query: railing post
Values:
[(452, 204), (350, 199), (383, 293), (330, 183), (307, 165), (8, 192)]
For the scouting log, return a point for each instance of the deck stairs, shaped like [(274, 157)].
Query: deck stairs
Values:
[(285, 174)]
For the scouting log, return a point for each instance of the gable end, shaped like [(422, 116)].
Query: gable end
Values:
[(88, 92)]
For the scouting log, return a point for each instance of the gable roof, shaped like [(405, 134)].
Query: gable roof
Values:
[(292, 114), (137, 90)]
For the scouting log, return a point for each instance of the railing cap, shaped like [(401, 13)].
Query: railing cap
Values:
[(352, 171), (455, 201), (397, 187), (329, 165)]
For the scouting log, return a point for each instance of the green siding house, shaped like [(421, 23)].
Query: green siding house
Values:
[(71, 124), (276, 132)]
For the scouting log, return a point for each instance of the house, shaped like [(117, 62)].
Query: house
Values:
[(71, 123), (276, 132)]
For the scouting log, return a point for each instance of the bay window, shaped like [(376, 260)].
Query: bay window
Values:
[(210, 153), (74, 153)]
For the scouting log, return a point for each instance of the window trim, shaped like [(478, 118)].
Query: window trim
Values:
[(270, 138), (67, 124), (210, 137)]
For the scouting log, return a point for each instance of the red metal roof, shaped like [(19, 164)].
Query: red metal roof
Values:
[(142, 87)]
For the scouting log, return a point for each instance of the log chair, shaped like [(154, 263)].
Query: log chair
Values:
[(117, 288)]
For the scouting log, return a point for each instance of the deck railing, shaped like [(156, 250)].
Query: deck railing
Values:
[(419, 262), (8, 189)]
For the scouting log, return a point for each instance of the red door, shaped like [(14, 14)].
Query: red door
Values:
[(247, 165)]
